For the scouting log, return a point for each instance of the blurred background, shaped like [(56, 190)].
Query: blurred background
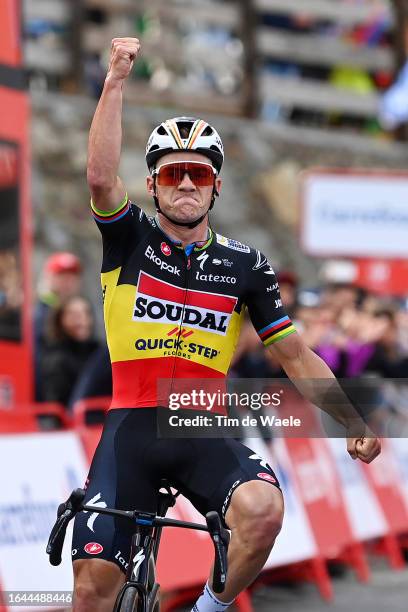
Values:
[(311, 100)]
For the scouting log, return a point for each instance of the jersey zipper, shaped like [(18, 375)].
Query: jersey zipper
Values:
[(186, 284)]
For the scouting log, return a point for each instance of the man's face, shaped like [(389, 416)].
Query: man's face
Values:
[(184, 202)]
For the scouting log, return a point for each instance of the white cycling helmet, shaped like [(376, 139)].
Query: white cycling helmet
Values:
[(184, 133)]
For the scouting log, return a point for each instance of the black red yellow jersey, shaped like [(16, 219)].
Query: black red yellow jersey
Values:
[(176, 313)]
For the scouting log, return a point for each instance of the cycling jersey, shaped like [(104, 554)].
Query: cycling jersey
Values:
[(175, 313)]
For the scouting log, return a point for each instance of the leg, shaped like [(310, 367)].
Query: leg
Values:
[(96, 585), (119, 479), (255, 519)]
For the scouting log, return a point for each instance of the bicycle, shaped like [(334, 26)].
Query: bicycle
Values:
[(140, 592)]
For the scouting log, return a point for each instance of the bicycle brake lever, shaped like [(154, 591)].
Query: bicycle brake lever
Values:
[(220, 538)]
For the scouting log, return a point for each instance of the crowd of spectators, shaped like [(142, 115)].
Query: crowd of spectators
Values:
[(361, 336), (65, 344)]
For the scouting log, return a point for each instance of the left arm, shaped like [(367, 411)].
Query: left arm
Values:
[(314, 379)]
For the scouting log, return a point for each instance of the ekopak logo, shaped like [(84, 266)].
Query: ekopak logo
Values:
[(165, 249), (93, 548), (267, 477)]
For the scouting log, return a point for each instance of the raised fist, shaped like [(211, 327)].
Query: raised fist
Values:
[(123, 53)]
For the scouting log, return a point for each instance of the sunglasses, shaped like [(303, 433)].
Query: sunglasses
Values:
[(172, 174)]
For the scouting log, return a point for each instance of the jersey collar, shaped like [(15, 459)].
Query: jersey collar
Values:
[(196, 246)]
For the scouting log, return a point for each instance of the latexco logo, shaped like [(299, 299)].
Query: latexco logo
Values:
[(216, 278), (150, 254)]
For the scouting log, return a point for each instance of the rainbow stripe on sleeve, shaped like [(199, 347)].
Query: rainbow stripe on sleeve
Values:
[(109, 216), (276, 331)]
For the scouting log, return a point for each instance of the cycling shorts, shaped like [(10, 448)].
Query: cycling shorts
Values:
[(129, 465)]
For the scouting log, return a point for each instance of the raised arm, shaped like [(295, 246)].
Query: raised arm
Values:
[(105, 137)]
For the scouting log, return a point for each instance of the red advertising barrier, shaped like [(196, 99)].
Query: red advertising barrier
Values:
[(385, 478), (316, 480), (3, 607), (320, 489), (10, 49)]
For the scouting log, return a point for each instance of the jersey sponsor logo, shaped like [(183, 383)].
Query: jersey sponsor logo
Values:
[(202, 259), (150, 254), (216, 278), (98, 503), (121, 559), (161, 302), (137, 560), (278, 303), (93, 548), (262, 461), (217, 262), (141, 214), (262, 262), (175, 347), (233, 244), (228, 497), (267, 477), (165, 249)]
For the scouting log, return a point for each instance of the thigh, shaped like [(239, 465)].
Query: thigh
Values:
[(217, 467), (118, 478)]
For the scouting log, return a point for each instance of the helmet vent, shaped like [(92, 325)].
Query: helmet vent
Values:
[(184, 129), (215, 148), (208, 131), (154, 148), (161, 131)]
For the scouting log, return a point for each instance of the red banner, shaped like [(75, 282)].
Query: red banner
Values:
[(10, 47)]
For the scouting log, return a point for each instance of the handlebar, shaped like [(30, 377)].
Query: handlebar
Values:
[(220, 538), (65, 513), (74, 504)]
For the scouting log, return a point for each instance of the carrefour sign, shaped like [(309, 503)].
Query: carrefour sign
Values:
[(355, 213)]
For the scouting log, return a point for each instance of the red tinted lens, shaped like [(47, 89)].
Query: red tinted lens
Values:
[(171, 175)]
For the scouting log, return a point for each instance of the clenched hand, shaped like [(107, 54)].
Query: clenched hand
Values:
[(123, 53), (365, 448)]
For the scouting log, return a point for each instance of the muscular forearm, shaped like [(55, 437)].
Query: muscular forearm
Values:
[(105, 138), (317, 383)]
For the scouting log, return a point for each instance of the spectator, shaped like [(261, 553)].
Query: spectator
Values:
[(69, 344), (288, 283), (61, 279)]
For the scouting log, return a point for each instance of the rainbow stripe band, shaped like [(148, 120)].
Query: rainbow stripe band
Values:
[(276, 331), (110, 216)]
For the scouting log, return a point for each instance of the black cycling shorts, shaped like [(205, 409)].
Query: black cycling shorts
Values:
[(126, 472)]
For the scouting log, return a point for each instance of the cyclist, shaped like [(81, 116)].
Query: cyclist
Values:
[(174, 296)]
